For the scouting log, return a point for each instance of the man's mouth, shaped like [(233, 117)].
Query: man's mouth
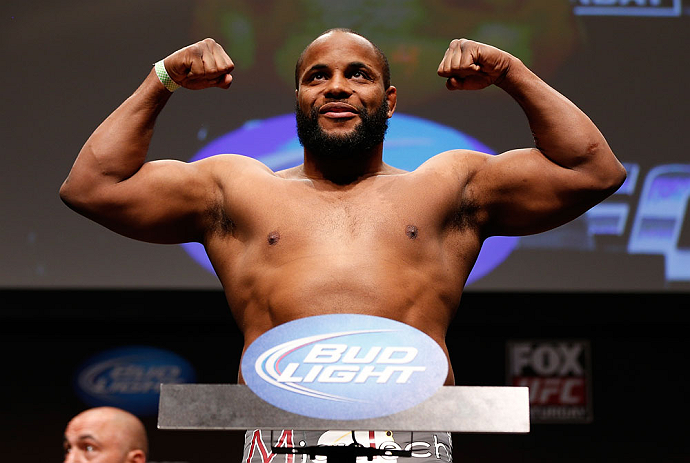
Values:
[(338, 110)]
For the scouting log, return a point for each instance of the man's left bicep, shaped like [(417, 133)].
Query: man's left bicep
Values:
[(524, 193)]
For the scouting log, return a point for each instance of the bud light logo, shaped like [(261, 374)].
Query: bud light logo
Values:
[(130, 378), (344, 367)]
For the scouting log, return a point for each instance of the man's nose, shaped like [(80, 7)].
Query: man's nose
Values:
[(71, 457), (338, 87)]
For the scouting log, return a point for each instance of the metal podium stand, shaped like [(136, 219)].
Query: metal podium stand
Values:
[(463, 409)]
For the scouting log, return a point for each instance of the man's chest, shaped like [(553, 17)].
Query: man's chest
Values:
[(361, 217), (406, 218), (347, 242)]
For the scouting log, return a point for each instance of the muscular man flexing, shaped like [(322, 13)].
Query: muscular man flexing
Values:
[(344, 232)]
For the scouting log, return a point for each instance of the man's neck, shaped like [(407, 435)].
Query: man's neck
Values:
[(344, 171)]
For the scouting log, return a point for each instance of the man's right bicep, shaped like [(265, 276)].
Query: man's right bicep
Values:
[(164, 202)]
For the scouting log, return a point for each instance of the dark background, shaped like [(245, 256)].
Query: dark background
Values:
[(70, 289), (639, 358)]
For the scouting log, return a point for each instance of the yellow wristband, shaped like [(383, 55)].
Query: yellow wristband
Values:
[(163, 76)]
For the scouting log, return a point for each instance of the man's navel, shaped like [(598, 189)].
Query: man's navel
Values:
[(412, 232)]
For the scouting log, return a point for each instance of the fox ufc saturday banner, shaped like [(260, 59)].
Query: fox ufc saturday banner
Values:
[(558, 375)]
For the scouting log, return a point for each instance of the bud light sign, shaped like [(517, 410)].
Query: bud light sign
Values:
[(344, 367), (130, 377)]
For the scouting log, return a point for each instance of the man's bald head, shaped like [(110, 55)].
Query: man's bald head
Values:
[(385, 68), (107, 435)]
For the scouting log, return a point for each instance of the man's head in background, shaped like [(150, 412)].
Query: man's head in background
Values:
[(105, 435)]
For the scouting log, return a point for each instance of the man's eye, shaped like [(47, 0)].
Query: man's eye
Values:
[(317, 76), (90, 448)]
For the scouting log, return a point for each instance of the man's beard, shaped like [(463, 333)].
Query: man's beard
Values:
[(366, 135)]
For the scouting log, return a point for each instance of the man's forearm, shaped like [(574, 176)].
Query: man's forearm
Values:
[(562, 132), (118, 147)]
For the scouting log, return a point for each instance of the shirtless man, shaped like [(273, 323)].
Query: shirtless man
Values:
[(344, 232), (105, 435)]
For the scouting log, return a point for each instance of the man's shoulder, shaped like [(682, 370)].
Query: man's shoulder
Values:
[(291, 172), (228, 160), (458, 160), (233, 165)]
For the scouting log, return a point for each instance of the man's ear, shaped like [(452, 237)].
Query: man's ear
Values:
[(136, 456), (392, 97)]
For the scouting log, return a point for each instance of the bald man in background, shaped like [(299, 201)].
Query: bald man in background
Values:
[(105, 435)]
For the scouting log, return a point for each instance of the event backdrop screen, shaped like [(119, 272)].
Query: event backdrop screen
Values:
[(68, 64)]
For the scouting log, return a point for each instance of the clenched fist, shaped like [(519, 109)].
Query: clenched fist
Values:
[(469, 65), (201, 65)]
